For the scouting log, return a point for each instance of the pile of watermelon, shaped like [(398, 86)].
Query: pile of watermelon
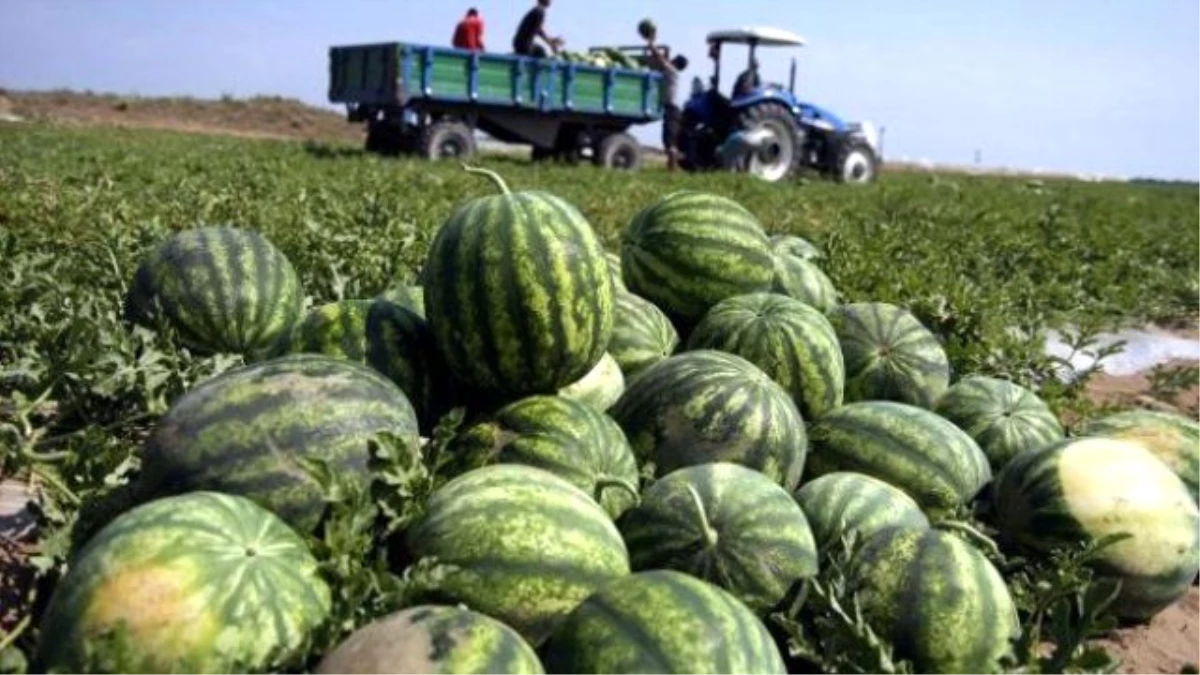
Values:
[(660, 448)]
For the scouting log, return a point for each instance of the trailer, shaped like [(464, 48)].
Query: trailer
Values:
[(430, 101)]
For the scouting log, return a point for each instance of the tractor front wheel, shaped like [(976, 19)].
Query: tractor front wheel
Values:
[(782, 155), (856, 162)]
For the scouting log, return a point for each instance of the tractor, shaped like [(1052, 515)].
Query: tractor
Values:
[(784, 134)]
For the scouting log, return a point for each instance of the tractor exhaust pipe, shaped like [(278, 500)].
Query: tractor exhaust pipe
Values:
[(792, 78)]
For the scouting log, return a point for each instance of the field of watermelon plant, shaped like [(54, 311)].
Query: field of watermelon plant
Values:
[(287, 407)]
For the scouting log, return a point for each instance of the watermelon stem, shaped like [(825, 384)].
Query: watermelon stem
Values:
[(604, 483), (490, 174), (975, 536), (710, 535)]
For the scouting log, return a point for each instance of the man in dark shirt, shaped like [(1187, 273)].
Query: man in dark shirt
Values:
[(531, 27), (748, 81), (469, 32)]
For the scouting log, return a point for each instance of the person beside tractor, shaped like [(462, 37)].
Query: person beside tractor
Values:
[(656, 59), (468, 34), (532, 26)]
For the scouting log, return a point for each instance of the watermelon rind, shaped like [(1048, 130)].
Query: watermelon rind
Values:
[(249, 431), (936, 600), (707, 406), (1079, 490), (573, 441), (434, 639), (788, 340), (519, 544), (890, 355), (1004, 418), (200, 582), (223, 289), (726, 524), (913, 449), (662, 621)]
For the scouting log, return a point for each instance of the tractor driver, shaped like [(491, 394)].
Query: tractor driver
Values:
[(748, 81), (532, 26)]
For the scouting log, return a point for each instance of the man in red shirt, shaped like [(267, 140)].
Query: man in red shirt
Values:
[(469, 32)]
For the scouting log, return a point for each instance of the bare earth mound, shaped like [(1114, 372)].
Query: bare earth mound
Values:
[(258, 117)]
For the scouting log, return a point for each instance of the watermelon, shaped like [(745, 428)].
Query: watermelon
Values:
[(709, 406), (433, 639), (662, 621), (518, 293), (935, 462), (520, 545), (889, 355), (245, 432), (804, 281), (1174, 439), (936, 599), (614, 271), (726, 524), (569, 439), (201, 582), (1004, 418), (391, 339), (642, 335), (222, 289), (690, 250), (601, 387), (795, 247), (1081, 489), (411, 298), (846, 503), (789, 340)]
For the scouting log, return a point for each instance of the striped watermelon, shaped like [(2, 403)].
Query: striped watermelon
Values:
[(642, 334), (245, 431), (572, 440), (708, 406), (890, 355), (1004, 418), (391, 339), (223, 289), (726, 524), (1077, 490), (690, 250), (803, 280), (662, 621), (202, 582), (789, 340), (601, 387), (522, 545), (796, 247), (1174, 439), (614, 270), (935, 462), (844, 502), (518, 293), (411, 298), (433, 639), (936, 599)]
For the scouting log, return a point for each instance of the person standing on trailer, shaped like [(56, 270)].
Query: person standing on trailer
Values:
[(532, 26), (468, 34)]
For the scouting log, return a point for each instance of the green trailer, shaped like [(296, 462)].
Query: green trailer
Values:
[(430, 101)]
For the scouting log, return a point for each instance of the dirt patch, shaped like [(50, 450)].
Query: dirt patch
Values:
[(258, 117), (1167, 644), (1135, 391)]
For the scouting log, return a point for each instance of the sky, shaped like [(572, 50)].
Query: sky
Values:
[(1103, 88)]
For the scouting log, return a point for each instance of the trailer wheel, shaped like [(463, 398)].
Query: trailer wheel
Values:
[(447, 140), (619, 151)]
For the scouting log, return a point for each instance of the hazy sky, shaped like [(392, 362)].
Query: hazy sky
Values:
[(1098, 87)]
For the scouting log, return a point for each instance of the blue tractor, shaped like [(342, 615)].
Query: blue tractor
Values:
[(780, 134)]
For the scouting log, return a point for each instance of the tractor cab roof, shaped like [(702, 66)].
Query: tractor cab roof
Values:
[(759, 35)]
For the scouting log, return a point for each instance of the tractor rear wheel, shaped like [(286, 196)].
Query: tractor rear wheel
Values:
[(447, 140), (783, 155), (618, 151)]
